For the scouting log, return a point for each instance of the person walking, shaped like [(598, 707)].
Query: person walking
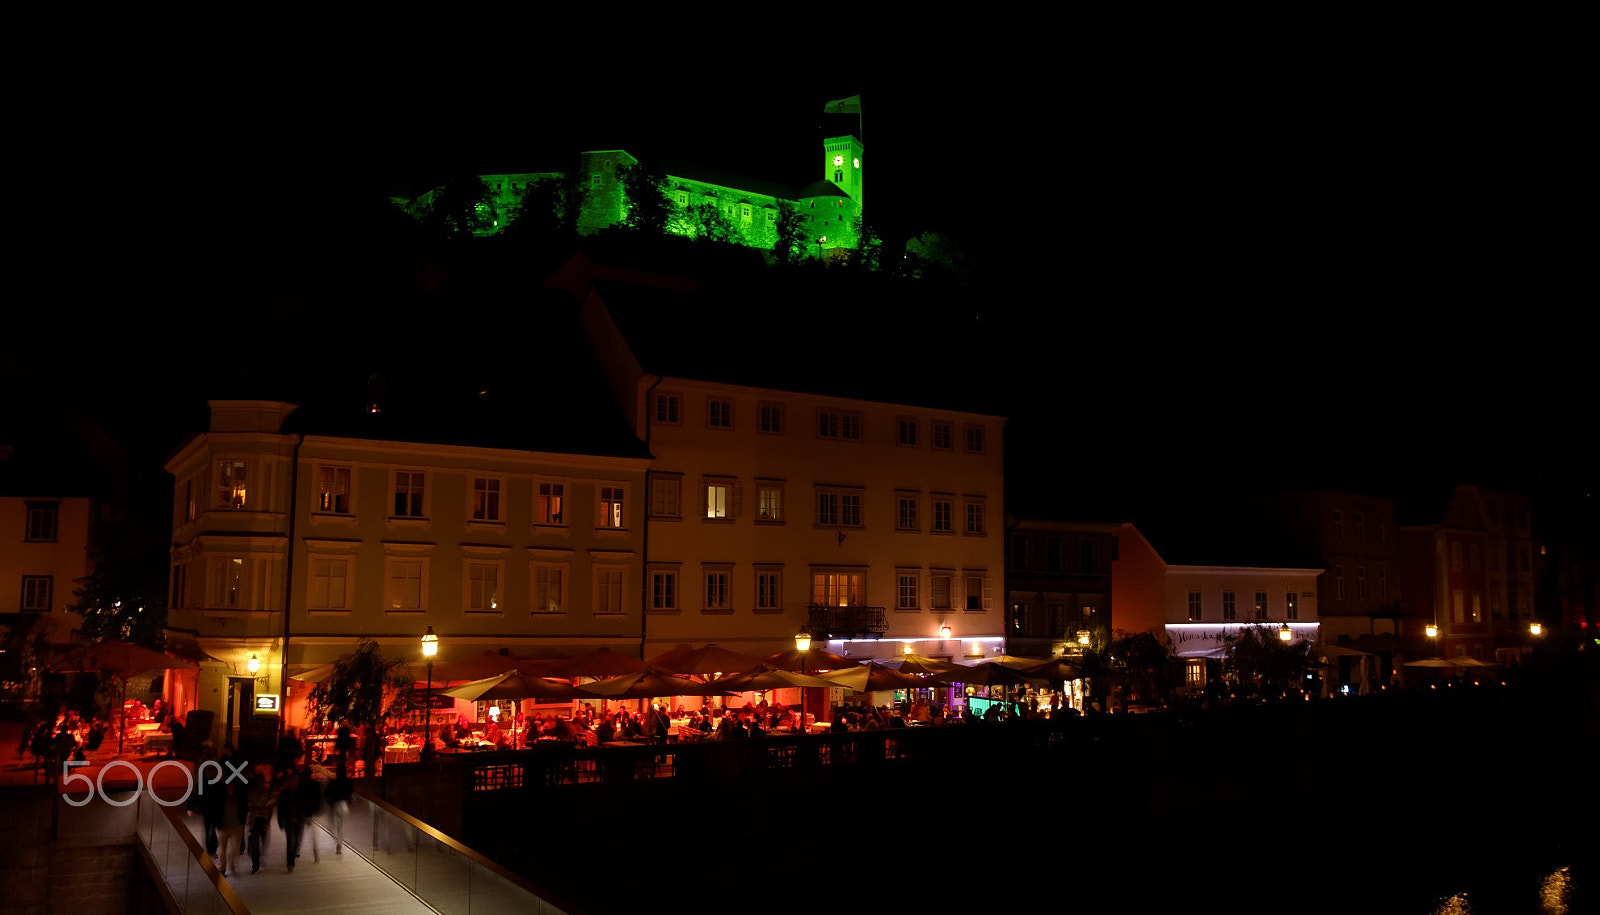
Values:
[(308, 797), (337, 795), (234, 809), (261, 799), (289, 816)]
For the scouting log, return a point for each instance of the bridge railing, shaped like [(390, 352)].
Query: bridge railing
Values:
[(189, 878), (448, 876)]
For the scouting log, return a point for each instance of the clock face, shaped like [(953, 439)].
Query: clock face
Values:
[(856, 162), (838, 160)]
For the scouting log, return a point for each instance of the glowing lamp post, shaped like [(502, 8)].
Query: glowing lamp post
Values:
[(802, 644), (430, 647), (253, 665), (1285, 634), (1535, 629)]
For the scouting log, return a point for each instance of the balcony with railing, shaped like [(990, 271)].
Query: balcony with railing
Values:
[(846, 622)]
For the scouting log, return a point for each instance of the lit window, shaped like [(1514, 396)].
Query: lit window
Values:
[(231, 484), (1261, 605), (333, 490), (550, 497), (838, 589), (611, 506), (719, 497), (769, 501), (1291, 609)]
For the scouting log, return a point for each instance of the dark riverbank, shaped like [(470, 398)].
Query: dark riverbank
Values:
[(1386, 803)]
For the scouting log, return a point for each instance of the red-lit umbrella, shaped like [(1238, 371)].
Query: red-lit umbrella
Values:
[(646, 684), (513, 684), (764, 677), (810, 661), (488, 664), (704, 662), (123, 660), (871, 677), (917, 664)]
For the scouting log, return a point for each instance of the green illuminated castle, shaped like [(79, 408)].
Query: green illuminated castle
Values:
[(747, 211)]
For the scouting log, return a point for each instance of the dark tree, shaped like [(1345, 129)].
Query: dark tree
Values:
[(792, 241), (649, 209), (1258, 658), (460, 208), (707, 221), (124, 596), (550, 208)]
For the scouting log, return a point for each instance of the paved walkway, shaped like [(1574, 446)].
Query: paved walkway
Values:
[(336, 884)]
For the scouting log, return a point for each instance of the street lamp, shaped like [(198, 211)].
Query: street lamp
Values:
[(253, 665), (1285, 633), (1535, 629), (802, 644), (430, 647)]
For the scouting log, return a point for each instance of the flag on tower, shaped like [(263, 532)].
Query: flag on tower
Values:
[(851, 105)]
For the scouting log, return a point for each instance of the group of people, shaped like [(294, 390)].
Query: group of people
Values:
[(238, 817)]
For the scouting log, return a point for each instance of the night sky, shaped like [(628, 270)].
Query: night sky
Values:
[(1323, 264)]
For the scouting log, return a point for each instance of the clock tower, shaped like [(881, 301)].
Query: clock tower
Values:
[(841, 164)]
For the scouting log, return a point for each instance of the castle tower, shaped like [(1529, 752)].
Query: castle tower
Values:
[(841, 164)]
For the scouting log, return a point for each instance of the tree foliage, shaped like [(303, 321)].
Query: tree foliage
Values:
[(365, 688), (124, 596), (1255, 656), (460, 208), (792, 240), (550, 207), (649, 209), (707, 221), (868, 252)]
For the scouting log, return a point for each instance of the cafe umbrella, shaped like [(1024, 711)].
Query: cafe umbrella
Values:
[(809, 660), (123, 660), (704, 662), (917, 664), (645, 684), (513, 684), (602, 662)]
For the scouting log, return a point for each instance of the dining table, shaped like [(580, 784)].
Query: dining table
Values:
[(401, 752)]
